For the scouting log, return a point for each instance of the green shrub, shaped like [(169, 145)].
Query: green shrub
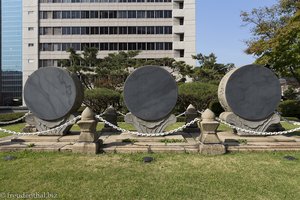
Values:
[(198, 94), (100, 98), (10, 116), (216, 107), (290, 108)]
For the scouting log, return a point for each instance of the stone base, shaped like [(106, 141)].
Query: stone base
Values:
[(212, 149), (42, 125), (149, 127), (86, 147), (269, 124)]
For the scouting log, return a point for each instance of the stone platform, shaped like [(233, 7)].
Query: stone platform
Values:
[(127, 143)]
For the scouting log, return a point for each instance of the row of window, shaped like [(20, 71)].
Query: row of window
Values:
[(114, 46), (105, 14), (112, 30), (102, 1)]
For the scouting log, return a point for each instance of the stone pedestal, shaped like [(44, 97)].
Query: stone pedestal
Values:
[(272, 123), (111, 116), (210, 142), (36, 124), (191, 114), (88, 140), (149, 126)]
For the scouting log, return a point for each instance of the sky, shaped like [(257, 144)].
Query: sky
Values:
[(220, 31)]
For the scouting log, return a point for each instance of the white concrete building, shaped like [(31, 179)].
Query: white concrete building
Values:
[(159, 28)]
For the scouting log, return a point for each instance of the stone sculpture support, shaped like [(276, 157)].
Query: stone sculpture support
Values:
[(143, 126), (210, 142)]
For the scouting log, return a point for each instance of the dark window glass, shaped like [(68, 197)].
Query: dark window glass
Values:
[(131, 46), (113, 46), (131, 30), (103, 46)]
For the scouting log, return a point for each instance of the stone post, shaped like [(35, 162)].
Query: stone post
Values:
[(191, 114), (110, 115), (88, 140), (210, 142)]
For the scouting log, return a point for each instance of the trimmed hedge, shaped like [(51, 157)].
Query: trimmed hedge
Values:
[(100, 98), (289, 108), (10, 116), (198, 94), (216, 107)]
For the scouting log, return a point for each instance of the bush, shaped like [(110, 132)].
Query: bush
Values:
[(198, 94), (290, 108), (216, 107), (100, 98), (10, 116)]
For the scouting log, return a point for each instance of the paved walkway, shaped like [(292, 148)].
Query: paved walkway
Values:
[(127, 143)]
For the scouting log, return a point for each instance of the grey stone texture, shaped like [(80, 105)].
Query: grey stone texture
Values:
[(252, 92), (269, 124), (36, 124), (52, 93), (210, 142), (110, 115), (191, 113), (143, 126), (87, 126), (150, 93)]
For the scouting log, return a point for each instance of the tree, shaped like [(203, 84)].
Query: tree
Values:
[(209, 70), (276, 37)]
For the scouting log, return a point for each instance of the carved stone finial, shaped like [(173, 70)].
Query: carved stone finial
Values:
[(208, 115), (87, 114), (191, 109)]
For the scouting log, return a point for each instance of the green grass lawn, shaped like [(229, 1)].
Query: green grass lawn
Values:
[(170, 176)]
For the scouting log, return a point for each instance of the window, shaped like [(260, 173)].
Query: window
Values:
[(132, 14), (141, 46), (30, 44), (131, 46), (123, 30), (150, 46), (103, 46), (113, 46), (159, 46), (113, 30), (30, 28), (131, 30)]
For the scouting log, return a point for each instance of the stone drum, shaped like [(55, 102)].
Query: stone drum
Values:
[(150, 93), (251, 92), (52, 93)]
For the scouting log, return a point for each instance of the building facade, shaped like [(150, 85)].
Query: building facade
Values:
[(159, 28), (11, 51)]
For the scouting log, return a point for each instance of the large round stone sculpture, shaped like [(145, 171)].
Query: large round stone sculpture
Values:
[(250, 95), (252, 92), (150, 93), (52, 93)]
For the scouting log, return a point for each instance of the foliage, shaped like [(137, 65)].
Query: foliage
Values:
[(10, 116), (290, 94), (216, 107), (196, 93), (101, 98), (290, 108), (209, 70), (276, 37), (112, 70)]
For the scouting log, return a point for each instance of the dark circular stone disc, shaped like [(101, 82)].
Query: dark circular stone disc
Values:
[(253, 92), (51, 93), (150, 93)]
